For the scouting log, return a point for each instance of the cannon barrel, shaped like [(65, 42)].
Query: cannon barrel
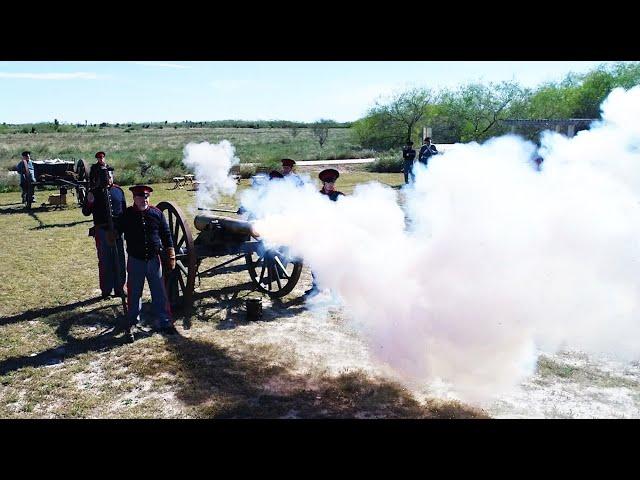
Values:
[(206, 222)]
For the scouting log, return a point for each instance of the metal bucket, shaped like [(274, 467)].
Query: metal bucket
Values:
[(254, 309)]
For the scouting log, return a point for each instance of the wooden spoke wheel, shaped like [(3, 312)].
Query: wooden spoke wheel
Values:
[(82, 170), (273, 272), (81, 194), (180, 282)]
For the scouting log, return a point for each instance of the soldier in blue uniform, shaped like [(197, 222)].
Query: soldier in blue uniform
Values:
[(288, 173), (328, 178), (408, 157), (27, 176), (147, 234), (427, 150), (111, 267), (96, 167)]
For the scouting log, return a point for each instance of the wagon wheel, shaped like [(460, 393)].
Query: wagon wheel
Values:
[(180, 282), (82, 170), (81, 194), (273, 272)]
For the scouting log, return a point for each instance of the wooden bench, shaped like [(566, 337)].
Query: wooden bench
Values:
[(180, 181)]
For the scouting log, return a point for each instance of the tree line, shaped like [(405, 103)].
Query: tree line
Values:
[(56, 126), (474, 111)]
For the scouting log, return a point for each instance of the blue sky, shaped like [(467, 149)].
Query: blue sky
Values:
[(120, 92)]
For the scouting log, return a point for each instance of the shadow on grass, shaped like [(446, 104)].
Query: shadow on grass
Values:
[(227, 306), (221, 386), (55, 225), (14, 210), (73, 346), (45, 312)]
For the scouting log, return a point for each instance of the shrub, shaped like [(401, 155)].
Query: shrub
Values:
[(388, 162), (126, 177), (247, 170), (9, 182)]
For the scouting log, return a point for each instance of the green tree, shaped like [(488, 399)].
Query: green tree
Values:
[(391, 124), (476, 109), (320, 130)]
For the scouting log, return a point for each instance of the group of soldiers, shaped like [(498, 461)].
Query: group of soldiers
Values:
[(146, 233), (427, 150), (327, 176), (145, 230)]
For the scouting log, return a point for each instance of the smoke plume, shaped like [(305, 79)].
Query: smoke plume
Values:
[(211, 164), (488, 261)]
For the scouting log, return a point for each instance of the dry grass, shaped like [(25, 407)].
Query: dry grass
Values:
[(54, 362)]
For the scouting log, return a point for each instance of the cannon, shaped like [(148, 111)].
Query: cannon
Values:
[(272, 271)]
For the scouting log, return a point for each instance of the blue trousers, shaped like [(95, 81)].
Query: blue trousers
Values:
[(408, 171), (137, 271), (107, 263)]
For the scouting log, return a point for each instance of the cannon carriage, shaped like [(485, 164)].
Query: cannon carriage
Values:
[(66, 175), (272, 271)]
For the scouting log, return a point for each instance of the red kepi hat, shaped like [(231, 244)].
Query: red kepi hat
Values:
[(287, 162), (100, 153), (141, 190), (328, 175)]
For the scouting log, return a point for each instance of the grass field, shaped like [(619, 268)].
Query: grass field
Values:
[(55, 364), (163, 148)]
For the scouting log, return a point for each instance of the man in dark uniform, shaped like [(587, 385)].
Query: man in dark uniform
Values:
[(147, 233), (427, 150), (111, 267), (288, 173), (328, 178), (408, 156), (27, 176), (95, 168)]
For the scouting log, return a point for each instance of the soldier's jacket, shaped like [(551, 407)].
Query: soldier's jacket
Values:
[(99, 206), (333, 195), (146, 232), (94, 175), (408, 153)]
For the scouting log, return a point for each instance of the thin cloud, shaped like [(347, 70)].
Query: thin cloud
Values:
[(51, 76), (160, 64)]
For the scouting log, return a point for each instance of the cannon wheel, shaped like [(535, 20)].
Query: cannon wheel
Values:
[(272, 272), (82, 170), (180, 282), (81, 194)]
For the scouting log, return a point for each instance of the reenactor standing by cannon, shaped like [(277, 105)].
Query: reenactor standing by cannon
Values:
[(288, 173), (107, 203), (147, 234), (27, 177), (328, 178)]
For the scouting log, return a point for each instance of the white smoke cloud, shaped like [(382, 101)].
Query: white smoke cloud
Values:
[(211, 164), (499, 260)]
